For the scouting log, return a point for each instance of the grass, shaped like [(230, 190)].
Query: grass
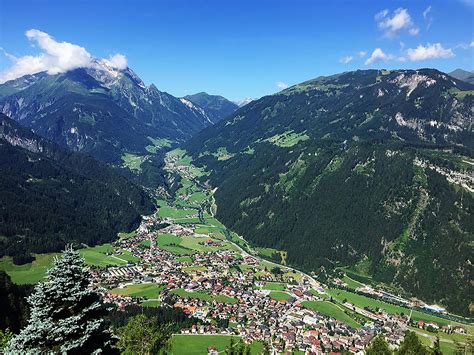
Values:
[(280, 296), (197, 197), (152, 303), (28, 273), (199, 344), (288, 139), (446, 340), (274, 286), (166, 211), (363, 301), (203, 296), (353, 284), (97, 256), (158, 143), (185, 259), (331, 310), (147, 290), (133, 162)]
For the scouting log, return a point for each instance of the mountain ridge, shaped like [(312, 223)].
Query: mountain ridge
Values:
[(352, 166)]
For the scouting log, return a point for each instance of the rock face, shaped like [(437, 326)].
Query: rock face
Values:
[(100, 110), (368, 169)]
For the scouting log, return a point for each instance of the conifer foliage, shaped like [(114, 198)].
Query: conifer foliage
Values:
[(66, 315)]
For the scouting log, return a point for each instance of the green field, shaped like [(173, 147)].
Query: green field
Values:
[(203, 296), (274, 286), (158, 143), (147, 290), (280, 296), (197, 197), (198, 344), (152, 303), (166, 211), (28, 273), (363, 301), (353, 284), (97, 256), (288, 139), (133, 162), (330, 310)]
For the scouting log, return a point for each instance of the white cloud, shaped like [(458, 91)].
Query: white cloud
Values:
[(346, 59), (426, 12), (427, 16), (281, 85), (472, 44), (376, 56), (362, 54), (118, 61), (55, 57), (431, 51), (392, 25)]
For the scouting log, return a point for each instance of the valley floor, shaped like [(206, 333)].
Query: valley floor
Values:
[(183, 254)]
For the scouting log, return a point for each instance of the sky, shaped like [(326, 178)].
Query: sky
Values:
[(237, 49)]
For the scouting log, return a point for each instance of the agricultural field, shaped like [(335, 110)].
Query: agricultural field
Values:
[(166, 211), (363, 301), (99, 256), (274, 286), (151, 303), (351, 283), (198, 344), (158, 144), (280, 296), (133, 162), (28, 273), (331, 310), (203, 296), (288, 139), (146, 290)]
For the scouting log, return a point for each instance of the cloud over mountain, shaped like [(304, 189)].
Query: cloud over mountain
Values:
[(55, 57)]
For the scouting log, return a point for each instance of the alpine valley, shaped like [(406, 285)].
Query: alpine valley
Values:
[(338, 208)]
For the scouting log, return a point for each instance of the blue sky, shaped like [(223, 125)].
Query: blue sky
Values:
[(246, 48)]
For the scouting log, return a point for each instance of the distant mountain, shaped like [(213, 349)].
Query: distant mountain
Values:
[(244, 102), (371, 170), (464, 75), (217, 107), (50, 197), (101, 110)]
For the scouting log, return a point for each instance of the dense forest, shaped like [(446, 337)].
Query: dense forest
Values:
[(324, 171), (50, 197)]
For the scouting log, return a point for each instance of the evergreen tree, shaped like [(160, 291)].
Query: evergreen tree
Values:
[(66, 316), (5, 337), (437, 349), (411, 345), (378, 346), (141, 335)]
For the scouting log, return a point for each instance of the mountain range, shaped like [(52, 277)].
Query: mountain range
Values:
[(106, 112), (51, 197), (370, 171), (464, 75)]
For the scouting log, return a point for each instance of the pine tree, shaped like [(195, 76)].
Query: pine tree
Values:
[(411, 345), (437, 348), (378, 346), (66, 316)]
